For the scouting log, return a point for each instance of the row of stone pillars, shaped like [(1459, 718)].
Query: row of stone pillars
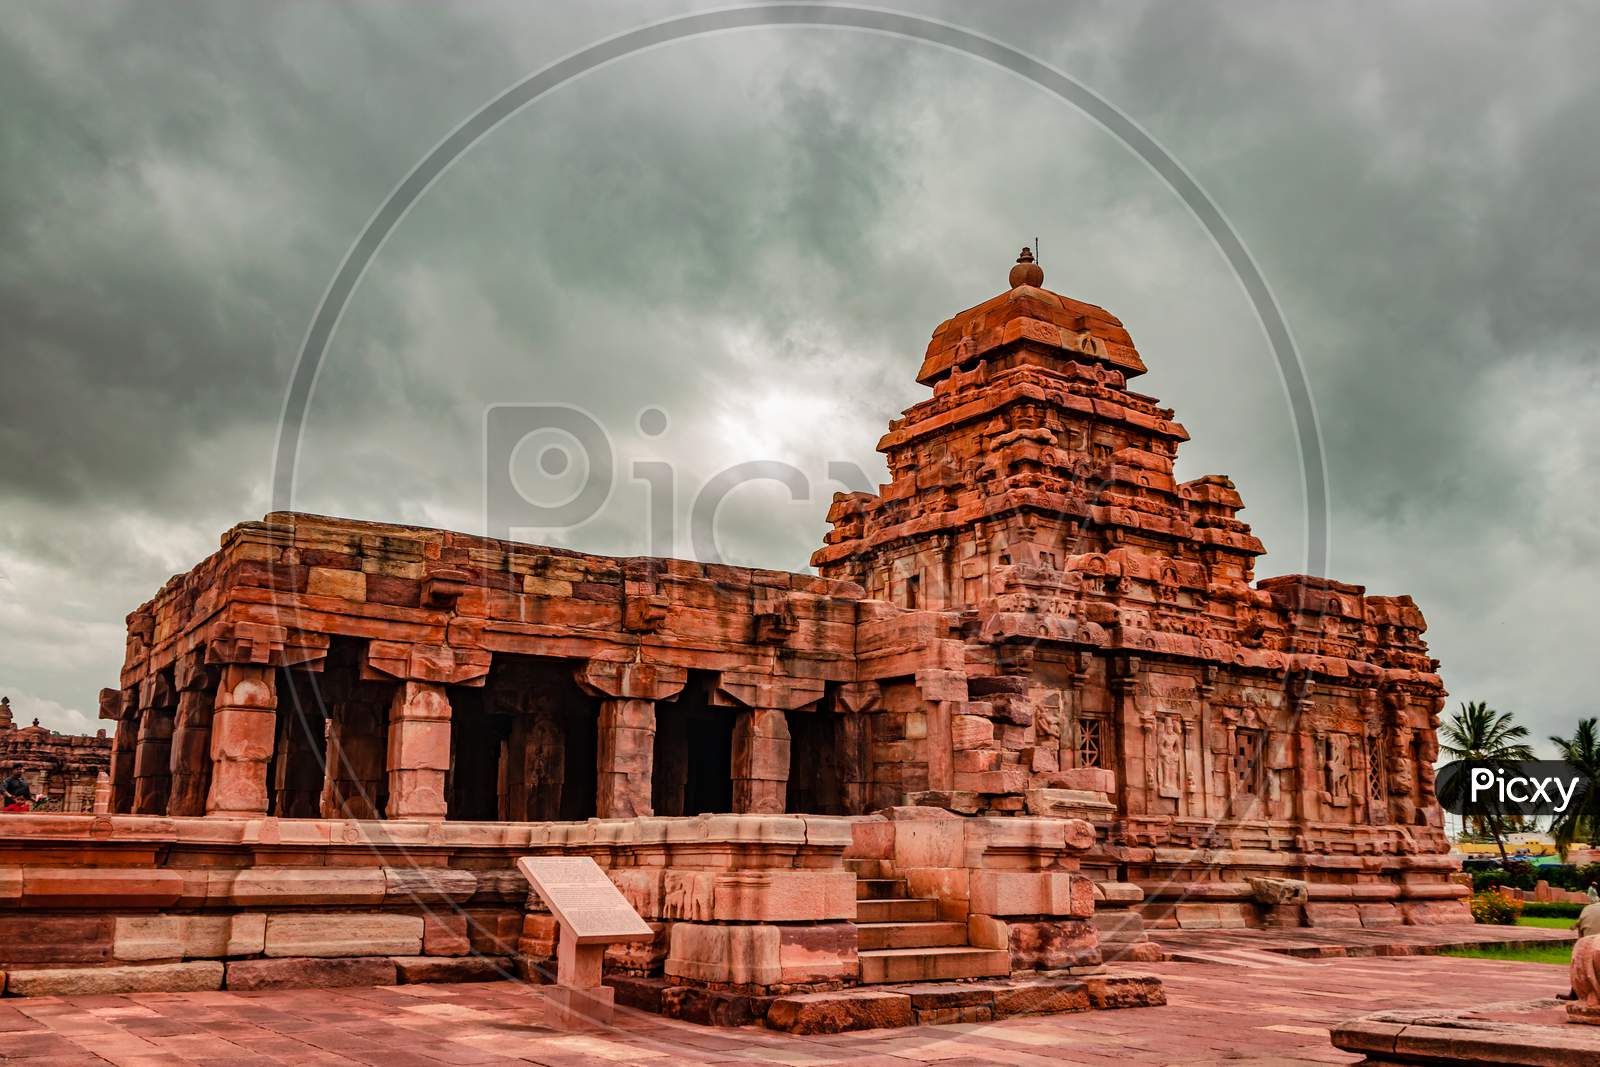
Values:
[(191, 747)]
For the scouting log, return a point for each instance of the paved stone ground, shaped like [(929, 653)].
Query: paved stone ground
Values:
[(1267, 1010)]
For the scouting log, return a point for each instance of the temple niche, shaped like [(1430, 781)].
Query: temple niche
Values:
[(1033, 617)]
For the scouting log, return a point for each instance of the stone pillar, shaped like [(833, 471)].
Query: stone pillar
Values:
[(760, 762), (243, 722), (124, 746), (191, 738), (761, 735), (626, 751), (419, 751), (356, 760), (152, 760)]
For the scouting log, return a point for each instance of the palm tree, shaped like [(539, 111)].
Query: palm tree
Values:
[(1581, 820), (1479, 733)]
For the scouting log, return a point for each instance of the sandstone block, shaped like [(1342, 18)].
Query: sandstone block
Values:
[(1378, 915), (1003, 892), (1043, 997), (55, 938), (152, 937), (415, 969), (428, 885), (1276, 891), (1333, 916), (783, 896), (1044, 946), (929, 843), (1435, 912), (709, 1007), (833, 1013), (820, 952), (100, 887), (293, 886), (341, 584), (334, 935), (85, 981), (1124, 991), (734, 955), (306, 973), (494, 932), (444, 933)]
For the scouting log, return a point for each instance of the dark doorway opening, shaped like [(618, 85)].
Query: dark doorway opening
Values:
[(817, 759), (692, 772), (472, 788), (294, 786), (540, 741)]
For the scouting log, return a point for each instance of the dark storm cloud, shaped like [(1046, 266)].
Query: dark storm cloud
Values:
[(755, 233)]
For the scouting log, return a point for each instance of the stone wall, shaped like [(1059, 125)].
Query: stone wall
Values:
[(743, 906)]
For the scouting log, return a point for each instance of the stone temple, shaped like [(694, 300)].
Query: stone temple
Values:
[(1033, 702)]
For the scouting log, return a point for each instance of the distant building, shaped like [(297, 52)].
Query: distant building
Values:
[(61, 766)]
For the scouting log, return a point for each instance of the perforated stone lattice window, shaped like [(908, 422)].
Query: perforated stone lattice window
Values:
[(1091, 743), (1375, 768), (1247, 747)]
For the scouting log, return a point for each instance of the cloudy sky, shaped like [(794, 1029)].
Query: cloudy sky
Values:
[(755, 233)]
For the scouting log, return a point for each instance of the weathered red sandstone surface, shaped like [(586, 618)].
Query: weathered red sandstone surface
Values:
[(1034, 702)]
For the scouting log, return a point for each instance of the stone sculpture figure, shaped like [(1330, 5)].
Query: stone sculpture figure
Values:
[(1169, 757)]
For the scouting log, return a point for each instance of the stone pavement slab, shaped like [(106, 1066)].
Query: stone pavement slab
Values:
[(1273, 1010)]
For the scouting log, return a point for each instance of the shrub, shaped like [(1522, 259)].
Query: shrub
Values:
[(1496, 909)]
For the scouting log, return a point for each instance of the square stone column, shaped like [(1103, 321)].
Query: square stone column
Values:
[(628, 691), (191, 739), (243, 722), (419, 751), (123, 752), (152, 760), (626, 757), (760, 762)]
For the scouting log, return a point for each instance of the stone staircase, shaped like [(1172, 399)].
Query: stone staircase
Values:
[(902, 938)]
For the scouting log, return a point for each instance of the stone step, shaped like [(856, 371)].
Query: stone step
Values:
[(919, 910), (881, 889), (911, 935), (932, 964), (867, 868)]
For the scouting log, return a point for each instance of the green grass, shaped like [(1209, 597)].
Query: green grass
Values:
[(1560, 954), (1537, 952)]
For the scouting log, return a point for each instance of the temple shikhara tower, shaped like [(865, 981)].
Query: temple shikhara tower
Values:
[(1034, 702)]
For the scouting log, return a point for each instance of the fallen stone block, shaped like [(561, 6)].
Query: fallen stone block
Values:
[(837, 1012), (416, 969), (200, 976), (307, 973)]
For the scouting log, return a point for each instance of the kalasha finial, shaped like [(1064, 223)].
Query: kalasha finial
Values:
[(1027, 272)]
